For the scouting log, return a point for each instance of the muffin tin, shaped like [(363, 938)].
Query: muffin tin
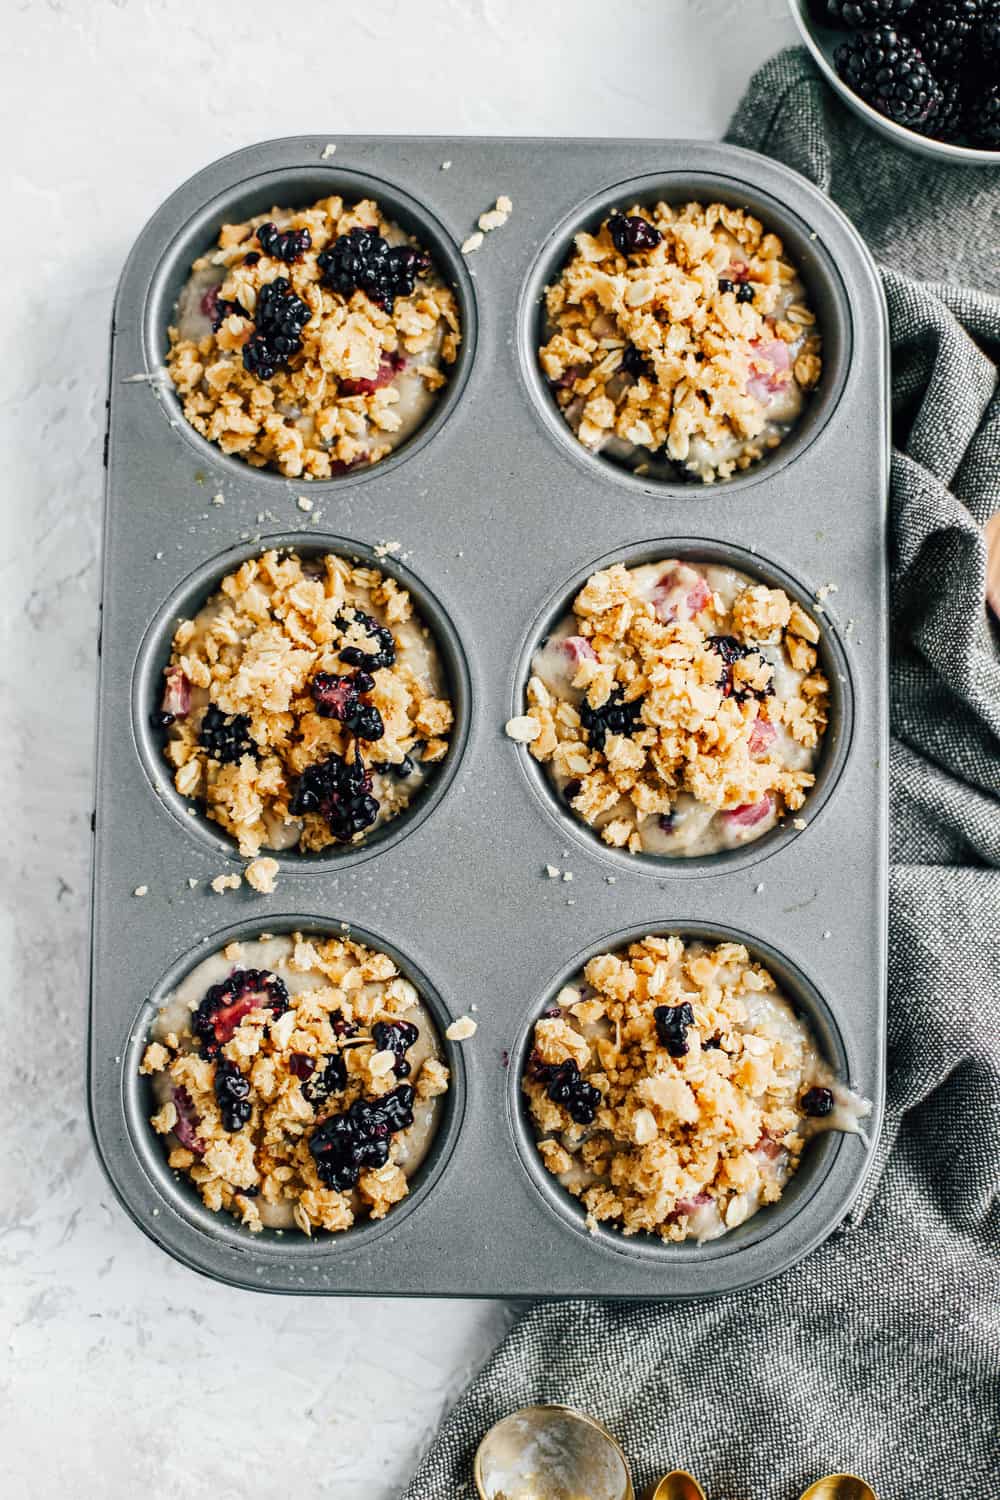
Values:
[(500, 516)]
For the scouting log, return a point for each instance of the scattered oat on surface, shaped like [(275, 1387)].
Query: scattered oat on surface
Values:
[(461, 1029), (552, 872), (223, 883), (141, 890), (262, 874), (328, 150), (524, 728), (304, 503), (473, 242)]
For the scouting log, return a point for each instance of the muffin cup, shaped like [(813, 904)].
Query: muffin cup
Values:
[(817, 268), (154, 655), (297, 189), (178, 1196), (834, 750), (806, 1185)]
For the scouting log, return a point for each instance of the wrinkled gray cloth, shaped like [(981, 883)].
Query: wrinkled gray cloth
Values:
[(879, 1354)]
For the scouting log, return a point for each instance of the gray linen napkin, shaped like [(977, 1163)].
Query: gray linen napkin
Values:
[(880, 1353)]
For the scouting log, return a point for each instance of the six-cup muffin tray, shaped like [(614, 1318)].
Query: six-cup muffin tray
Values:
[(500, 516)]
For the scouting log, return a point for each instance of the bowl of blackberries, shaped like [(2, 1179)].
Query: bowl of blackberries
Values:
[(925, 73)]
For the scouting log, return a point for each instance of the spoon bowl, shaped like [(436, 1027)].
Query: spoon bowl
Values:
[(677, 1485), (839, 1487), (550, 1453)]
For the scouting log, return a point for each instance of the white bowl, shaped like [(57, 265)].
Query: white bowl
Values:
[(821, 41)]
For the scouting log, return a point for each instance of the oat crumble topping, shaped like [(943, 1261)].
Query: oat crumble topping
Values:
[(680, 338), (274, 1068), (678, 708), (362, 373), (673, 1089), (303, 704)]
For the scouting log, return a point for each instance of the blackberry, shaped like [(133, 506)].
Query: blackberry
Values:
[(252, 258), (345, 1144), (280, 319), (362, 261), (339, 698), (226, 1004), (563, 1085), (742, 290), (369, 661), (947, 122), (887, 71), (633, 233), (221, 310), (731, 650), (366, 724), (301, 1065), (339, 791), (397, 1037), (288, 246), (318, 1087), (633, 362), (983, 120), (232, 1092), (614, 716), (942, 33), (226, 737), (988, 38), (672, 1022), (863, 13), (817, 1103)]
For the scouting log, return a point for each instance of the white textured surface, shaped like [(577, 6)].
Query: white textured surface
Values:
[(123, 1369)]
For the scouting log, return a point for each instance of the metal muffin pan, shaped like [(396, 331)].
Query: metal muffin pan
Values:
[(500, 515)]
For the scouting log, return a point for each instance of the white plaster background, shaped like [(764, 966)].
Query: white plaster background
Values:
[(124, 1371)]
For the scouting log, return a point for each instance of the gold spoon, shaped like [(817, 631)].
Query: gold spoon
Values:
[(677, 1485), (550, 1453), (839, 1487)]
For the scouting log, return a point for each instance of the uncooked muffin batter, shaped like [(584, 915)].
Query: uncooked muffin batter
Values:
[(673, 1089), (312, 341), (679, 708), (679, 341), (298, 1081)]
